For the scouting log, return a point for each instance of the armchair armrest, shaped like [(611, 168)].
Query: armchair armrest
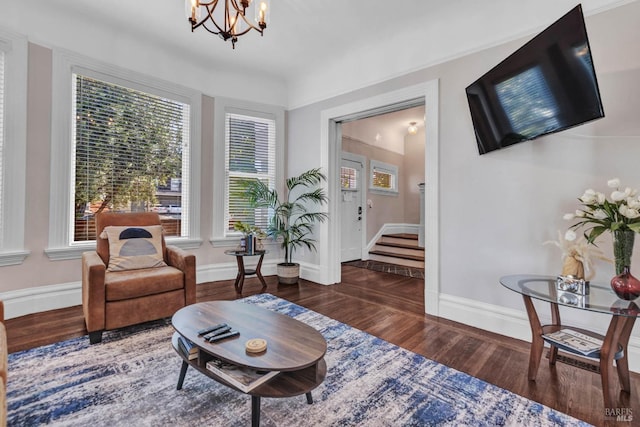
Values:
[(93, 291), (186, 263)]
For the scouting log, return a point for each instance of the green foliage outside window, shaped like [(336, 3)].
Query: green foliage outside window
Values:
[(127, 143)]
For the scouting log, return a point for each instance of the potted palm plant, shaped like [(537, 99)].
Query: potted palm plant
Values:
[(293, 215)]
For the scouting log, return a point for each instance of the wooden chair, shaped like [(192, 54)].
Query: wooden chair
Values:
[(114, 299)]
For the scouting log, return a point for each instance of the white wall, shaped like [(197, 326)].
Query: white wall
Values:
[(496, 210)]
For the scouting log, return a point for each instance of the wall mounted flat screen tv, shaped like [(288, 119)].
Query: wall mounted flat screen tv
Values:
[(546, 86)]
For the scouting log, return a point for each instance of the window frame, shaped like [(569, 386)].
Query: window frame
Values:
[(221, 237), (65, 65), (13, 155), (386, 167)]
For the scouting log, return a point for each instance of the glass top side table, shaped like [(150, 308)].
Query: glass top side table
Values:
[(600, 299), (242, 271)]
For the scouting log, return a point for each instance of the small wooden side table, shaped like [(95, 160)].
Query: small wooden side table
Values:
[(600, 299), (242, 271)]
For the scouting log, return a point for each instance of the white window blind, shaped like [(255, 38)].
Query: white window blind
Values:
[(131, 153), (250, 147), (2, 133)]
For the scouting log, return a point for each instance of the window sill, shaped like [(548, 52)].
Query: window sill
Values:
[(75, 252), (13, 258)]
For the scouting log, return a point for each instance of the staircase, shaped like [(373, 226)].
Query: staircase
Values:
[(400, 249)]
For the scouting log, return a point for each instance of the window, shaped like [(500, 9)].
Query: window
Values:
[(249, 155), (384, 177), (126, 142), (13, 119), (348, 178), (131, 154), (248, 144)]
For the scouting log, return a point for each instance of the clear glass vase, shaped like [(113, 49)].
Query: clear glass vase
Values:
[(623, 248)]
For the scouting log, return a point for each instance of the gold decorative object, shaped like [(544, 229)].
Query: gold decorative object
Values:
[(256, 345), (578, 255)]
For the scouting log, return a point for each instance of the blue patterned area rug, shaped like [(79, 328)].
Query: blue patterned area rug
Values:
[(130, 380)]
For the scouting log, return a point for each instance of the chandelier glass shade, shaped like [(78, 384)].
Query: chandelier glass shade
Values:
[(228, 19)]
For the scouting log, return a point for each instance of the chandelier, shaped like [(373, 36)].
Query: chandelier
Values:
[(228, 19)]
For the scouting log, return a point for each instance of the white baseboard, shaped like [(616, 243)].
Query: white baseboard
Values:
[(312, 273), (515, 324), (42, 298), (52, 297), (228, 271)]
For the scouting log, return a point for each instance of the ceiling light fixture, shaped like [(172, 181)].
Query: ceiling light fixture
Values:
[(412, 129), (230, 20)]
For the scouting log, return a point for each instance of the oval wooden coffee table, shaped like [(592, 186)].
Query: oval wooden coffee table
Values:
[(294, 349)]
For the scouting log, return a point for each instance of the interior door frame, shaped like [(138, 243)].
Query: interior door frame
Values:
[(331, 148), (363, 195)]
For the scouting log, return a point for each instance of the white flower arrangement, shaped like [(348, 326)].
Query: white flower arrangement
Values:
[(600, 215)]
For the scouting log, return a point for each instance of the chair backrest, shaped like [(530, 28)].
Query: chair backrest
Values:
[(105, 219)]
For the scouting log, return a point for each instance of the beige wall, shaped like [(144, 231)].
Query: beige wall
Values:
[(387, 208)]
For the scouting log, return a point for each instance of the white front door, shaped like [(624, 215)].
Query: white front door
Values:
[(351, 209)]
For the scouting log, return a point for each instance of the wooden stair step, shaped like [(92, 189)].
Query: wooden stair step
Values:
[(397, 255), (400, 245)]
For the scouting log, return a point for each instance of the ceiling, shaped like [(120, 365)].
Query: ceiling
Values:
[(317, 48), (386, 130)]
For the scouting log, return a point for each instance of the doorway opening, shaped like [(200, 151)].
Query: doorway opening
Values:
[(381, 169), (331, 146)]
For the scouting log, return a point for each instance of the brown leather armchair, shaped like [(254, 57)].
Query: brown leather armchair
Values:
[(114, 299)]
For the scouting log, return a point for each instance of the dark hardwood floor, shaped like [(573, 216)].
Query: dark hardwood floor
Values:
[(391, 307)]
